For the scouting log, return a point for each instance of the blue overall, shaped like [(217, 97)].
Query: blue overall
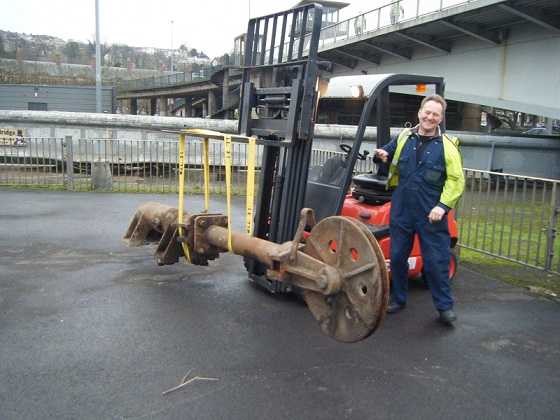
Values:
[(419, 189)]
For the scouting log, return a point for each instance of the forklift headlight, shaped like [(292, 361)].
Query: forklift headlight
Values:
[(357, 91)]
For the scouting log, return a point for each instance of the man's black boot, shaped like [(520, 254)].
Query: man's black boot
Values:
[(395, 307), (447, 316)]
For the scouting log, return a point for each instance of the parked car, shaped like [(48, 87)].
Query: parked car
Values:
[(535, 131)]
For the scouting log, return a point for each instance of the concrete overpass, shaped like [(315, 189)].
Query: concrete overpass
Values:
[(497, 53)]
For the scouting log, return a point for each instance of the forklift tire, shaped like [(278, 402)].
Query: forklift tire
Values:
[(453, 263)]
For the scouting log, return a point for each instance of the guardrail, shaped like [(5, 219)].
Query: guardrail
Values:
[(384, 17), (511, 217), (508, 216), (118, 165), (168, 80)]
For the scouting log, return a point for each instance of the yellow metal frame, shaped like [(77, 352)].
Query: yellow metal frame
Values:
[(206, 135)]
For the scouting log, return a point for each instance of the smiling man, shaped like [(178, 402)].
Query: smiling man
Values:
[(426, 169)]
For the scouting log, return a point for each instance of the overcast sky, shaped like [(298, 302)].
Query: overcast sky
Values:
[(209, 26)]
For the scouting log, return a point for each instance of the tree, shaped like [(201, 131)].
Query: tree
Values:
[(22, 47), (143, 61), (103, 49), (72, 51), (2, 50), (120, 54), (43, 49), (507, 117)]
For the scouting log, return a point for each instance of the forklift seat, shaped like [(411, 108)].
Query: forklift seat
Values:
[(330, 173), (371, 189), (333, 171), (371, 181)]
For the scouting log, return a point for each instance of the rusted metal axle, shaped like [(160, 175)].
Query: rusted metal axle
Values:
[(206, 235), (339, 264)]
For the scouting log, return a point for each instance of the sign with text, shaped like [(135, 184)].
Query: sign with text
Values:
[(12, 137)]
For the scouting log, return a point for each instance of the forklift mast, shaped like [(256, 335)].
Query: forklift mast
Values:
[(278, 106)]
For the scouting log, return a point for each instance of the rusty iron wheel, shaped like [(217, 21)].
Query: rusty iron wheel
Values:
[(358, 309)]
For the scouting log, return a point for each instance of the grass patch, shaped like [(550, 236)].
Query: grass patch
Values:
[(51, 187), (544, 283)]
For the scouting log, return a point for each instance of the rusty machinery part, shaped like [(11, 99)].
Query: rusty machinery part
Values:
[(157, 223), (358, 309), (339, 265), (149, 223), (301, 270)]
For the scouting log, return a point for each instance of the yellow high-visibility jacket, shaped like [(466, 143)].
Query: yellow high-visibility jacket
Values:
[(455, 180)]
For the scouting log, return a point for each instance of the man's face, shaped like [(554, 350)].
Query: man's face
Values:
[(430, 116)]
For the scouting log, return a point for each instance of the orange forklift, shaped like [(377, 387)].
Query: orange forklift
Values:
[(309, 231)]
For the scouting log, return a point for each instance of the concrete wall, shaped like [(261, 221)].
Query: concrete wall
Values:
[(527, 156)]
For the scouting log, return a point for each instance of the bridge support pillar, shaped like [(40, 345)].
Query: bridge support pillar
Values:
[(225, 95), (211, 103), (162, 106), (188, 107), (470, 117), (134, 107)]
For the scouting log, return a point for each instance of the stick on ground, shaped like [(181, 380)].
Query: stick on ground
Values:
[(185, 382)]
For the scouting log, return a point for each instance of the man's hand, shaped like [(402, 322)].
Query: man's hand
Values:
[(436, 214), (381, 154)]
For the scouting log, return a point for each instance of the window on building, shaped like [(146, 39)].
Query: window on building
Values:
[(37, 106)]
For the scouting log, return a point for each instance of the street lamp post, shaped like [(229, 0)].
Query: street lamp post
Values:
[(171, 45), (98, 105)]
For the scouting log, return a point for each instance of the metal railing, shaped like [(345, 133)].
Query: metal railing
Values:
[(503, 215), (119, 165), (384, 17), (511, 217), (131, 165), (168, 80), (33, 162)]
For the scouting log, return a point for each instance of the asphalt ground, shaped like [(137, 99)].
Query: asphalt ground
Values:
[(92, 329)]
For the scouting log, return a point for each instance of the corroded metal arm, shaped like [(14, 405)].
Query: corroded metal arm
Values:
[(338, 264)]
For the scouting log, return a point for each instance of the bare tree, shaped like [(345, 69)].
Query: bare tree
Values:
[(120, 54)]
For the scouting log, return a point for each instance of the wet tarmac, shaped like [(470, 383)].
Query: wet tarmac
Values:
[(92, 329)]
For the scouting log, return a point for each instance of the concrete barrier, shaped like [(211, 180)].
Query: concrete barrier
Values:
[(101, 175), (520, 155)]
